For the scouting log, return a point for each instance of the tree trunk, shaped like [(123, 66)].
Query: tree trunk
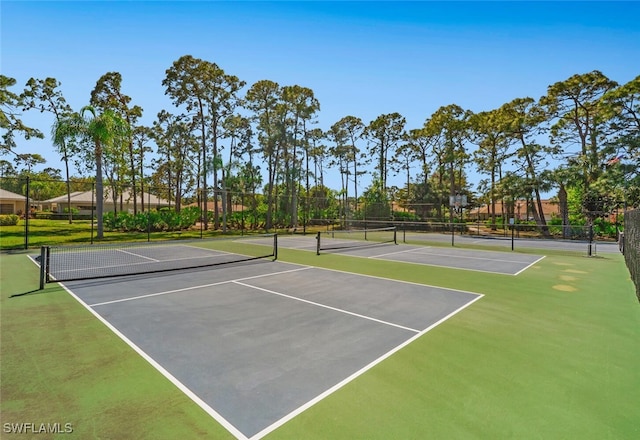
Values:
[(99, 193), (564, 209), (66, 166)]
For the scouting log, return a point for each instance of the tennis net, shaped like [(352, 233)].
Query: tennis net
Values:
[(105, 260), (351, 238)]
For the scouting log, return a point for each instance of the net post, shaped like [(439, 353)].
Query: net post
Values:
[(318, 243), (275, 246), (395, 235), (43, 269), (48, 265)]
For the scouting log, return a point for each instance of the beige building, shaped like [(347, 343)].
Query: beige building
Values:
[(83, 201), (11, 203)]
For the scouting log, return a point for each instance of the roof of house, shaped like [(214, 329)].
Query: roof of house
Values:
[(88, 197), (548, 207), (8, 195)]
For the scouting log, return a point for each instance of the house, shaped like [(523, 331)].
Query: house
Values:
[(521, 211), (82, 202), (12, 203), (235, 207)]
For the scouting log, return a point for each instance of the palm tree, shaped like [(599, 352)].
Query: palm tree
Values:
[(101, 130)]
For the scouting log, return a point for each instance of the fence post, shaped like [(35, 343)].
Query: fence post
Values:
[(26, 217), (93, 208), (43, 265)]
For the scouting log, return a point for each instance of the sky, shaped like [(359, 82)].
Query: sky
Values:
[(360, 58)]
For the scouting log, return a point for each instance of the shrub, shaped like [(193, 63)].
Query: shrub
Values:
[(405, 216), (163, 220), (9, 220)]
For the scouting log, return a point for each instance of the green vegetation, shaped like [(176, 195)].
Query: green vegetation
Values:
[(60, 364), (551, 353), (256, 143), (9, 220)]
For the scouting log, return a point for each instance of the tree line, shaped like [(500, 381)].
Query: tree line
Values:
[(222, 137)]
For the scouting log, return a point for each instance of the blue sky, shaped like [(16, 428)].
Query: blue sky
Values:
[(359, 58)]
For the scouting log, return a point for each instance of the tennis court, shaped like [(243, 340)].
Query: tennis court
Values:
[(380, 244), (255, 342)]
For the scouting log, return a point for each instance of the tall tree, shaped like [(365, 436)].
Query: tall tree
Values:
[(384, 133), (340, 157), (422, 142), (186, 83), (490, 131), (101, 129), (402, 160), (262, 99), (177, 149), (302, 107), (242, 152), (107, 94), (351, 130), (10, 122), (221, 95), (29, 160), (45, 95), (581, 119), (449, 125), (317, 152), (622, 105), (526, 118), (141, 137)]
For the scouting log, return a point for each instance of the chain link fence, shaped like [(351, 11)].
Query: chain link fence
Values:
[(630, 246), (38, 212)]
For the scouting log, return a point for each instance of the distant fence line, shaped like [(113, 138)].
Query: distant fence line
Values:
[(237, 212), (631, 246)]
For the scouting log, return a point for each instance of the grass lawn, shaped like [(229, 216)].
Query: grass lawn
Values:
[(552, 353)]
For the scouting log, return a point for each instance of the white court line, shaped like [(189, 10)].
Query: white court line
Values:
[(219, 418), (395, 253), (136, 255), (355, 375), (328, 307), (167, 292), (190, 394), (431, 264), (451, 267), (522, 270), (465, 257)]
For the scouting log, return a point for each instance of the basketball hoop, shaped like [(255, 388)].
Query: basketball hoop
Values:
[(458, 202)]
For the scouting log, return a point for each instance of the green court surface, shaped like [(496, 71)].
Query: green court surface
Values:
[(552, 353)]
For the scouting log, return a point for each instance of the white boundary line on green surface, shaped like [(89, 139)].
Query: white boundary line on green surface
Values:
[(377, 257), (219, 418), (197, 400), (463, 257), (522, 270)]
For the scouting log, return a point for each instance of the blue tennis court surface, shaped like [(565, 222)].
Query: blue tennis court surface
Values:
[(507, 263), (256, 343)]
